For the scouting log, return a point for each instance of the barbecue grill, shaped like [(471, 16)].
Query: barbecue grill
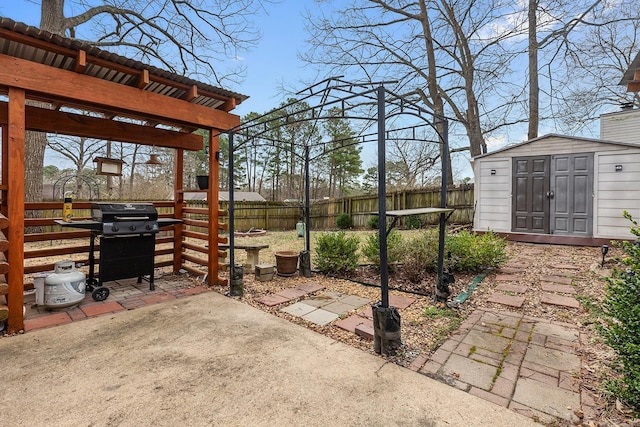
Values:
[(127, 242)]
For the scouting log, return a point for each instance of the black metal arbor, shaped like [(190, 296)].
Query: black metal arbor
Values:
[(372, 103)]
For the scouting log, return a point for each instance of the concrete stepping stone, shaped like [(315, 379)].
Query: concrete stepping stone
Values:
[(557, 279), (560, 300), (507, 287), (310, 287), (354, 301), (320, 317), (338, 307), (511, 301), (272, 299), (298, 309), (292, 293), (552, 287)]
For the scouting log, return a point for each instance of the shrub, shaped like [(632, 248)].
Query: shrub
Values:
[(344, 220), (336, 253), (622, 322), (469, 252), (413, 222), (373, 221), (475, 252), (420, 255), (371, 249)]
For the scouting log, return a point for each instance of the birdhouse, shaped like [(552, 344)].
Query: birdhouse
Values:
[(107, 166)]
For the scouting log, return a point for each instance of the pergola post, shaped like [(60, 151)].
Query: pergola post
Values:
[(15, 208)]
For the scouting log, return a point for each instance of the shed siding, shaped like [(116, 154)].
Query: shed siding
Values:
[(616, 192), (622, 126), (493, 195)]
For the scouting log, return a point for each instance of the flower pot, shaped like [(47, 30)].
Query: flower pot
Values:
[(202, 181), (286, 263)]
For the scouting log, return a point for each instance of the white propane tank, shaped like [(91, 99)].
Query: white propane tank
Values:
[(65, 287)]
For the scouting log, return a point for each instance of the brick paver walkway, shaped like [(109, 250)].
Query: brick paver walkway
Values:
[(527, 364)]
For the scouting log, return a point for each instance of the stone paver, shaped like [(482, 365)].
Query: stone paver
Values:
[(557, 331), (354, 301), (512, 301), (557, 279), (550, 400), (272, 299), (310, 287), (559, 300), (470, 371), (553, 287), (298, 309), (365, 330), (320, 317), (349, 323), (484, 340), (338, 307), (292, 293), (509, 287), (400, 301), (552, 358), (526, 364)]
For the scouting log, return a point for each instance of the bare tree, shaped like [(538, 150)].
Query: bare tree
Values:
[(468, 58), (191, 37)]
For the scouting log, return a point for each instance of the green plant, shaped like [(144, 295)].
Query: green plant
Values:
[(336, 253), (344, 220), (622, 322), (373, 222), (475, 252), (413, 222), (420, 255), (371, 249)]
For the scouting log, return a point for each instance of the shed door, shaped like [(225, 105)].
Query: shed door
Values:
[(530, 205), (572, 191)]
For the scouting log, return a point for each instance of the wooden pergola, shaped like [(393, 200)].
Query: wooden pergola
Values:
[(61, 85)]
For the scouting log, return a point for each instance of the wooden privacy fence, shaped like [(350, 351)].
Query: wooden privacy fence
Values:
[(284, 216)]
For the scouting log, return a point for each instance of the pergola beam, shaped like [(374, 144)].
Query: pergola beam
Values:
[(62, 84), (45, 120)]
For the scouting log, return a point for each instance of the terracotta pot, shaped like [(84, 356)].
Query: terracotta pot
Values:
[(286, 263)]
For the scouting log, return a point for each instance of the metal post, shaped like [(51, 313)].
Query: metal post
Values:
[(236, 272), (307, 200), (382, 199), (442, 288), (386, 320)]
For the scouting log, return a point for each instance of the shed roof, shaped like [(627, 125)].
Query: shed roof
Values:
[(553, 135)]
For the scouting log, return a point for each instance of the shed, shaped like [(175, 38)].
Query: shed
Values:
[(559, 189)]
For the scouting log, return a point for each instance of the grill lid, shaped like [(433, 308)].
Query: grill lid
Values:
[(117, 212)]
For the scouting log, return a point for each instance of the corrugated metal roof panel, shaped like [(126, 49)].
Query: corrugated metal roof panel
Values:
[(64, 58)]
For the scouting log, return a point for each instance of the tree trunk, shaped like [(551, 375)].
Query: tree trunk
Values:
[(52, 20), (534, 89)]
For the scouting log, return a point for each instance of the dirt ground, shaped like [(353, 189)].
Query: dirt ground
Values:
[(425, 326)]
